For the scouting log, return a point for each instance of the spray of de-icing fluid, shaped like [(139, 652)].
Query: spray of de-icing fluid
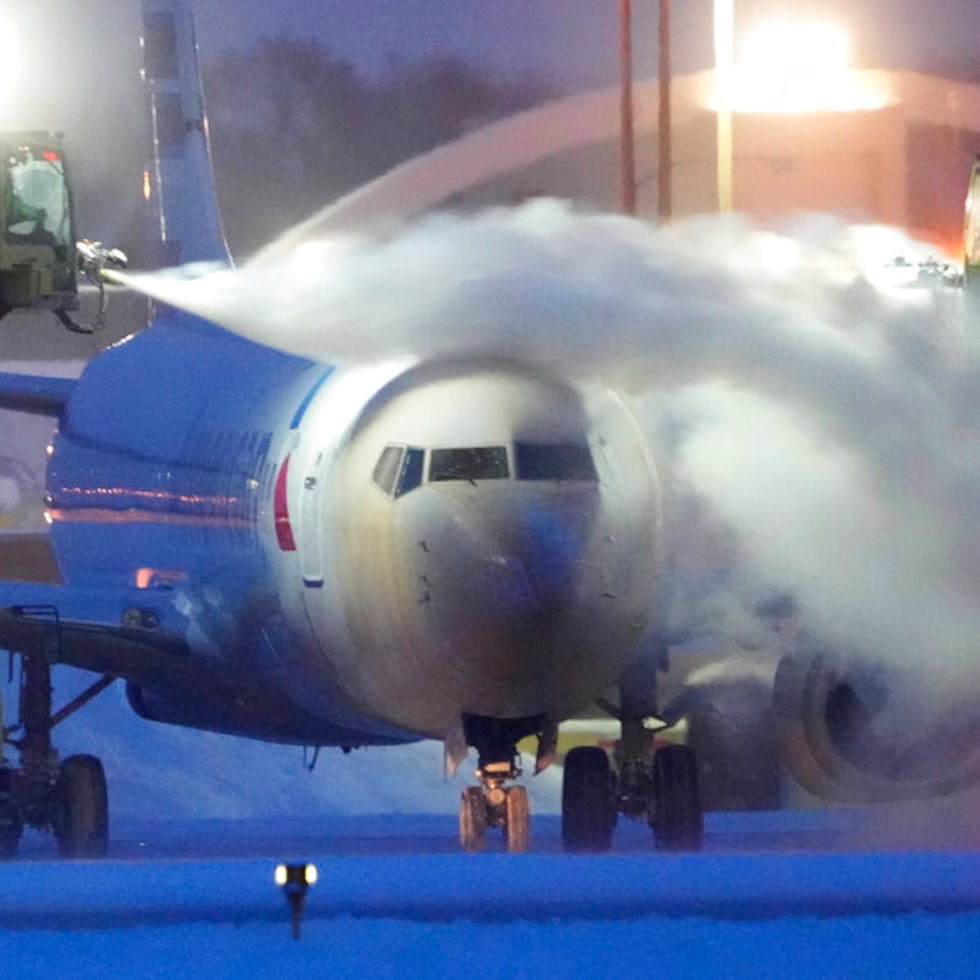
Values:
[(829, 422)]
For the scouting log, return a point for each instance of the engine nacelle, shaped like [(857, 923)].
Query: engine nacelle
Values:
[(850, 732)]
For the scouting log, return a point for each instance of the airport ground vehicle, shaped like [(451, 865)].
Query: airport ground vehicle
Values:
[(971, 233), (40, 254)]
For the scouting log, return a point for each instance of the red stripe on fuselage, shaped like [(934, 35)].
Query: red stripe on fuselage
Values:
[(284, 531)]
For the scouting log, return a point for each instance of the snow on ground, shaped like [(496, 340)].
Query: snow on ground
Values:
[(870, 946), (865, 946), (734, 911)]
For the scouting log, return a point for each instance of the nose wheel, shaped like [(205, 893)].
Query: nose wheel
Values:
[(494, 803)]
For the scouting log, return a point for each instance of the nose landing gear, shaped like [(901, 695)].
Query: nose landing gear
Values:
[(493, 803)]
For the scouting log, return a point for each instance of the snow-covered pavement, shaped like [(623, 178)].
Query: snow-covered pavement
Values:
[(399, 900)]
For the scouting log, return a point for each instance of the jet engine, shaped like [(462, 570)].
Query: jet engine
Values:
[(857, 731)]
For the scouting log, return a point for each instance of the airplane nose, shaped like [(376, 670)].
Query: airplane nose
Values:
[(496, 540), (508, 566), (536, 554)]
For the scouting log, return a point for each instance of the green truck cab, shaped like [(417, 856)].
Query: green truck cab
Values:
[(38, 258)]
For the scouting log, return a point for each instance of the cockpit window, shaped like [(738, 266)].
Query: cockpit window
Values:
[(399, 470), (386, 470), (554, 461), (411, 474), (482, 463)]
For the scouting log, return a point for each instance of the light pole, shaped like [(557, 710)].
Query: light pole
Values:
[(627, 150), (664, 146), (724, 72)]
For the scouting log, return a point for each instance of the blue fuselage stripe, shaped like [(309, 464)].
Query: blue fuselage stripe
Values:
[(305, 404)]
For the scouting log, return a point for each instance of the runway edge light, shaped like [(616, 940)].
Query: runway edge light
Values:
[(295, 881)]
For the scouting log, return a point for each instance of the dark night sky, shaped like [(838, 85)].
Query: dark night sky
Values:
[(571, 41), (81, 56), (574, 42), (86, 49)]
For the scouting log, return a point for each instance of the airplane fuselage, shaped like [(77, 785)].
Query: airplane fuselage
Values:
[(354, 554)]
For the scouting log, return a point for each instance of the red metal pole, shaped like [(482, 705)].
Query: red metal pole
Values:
[(665, 190), (628, 152)]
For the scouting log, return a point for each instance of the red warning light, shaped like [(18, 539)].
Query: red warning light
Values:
[(51, 156)]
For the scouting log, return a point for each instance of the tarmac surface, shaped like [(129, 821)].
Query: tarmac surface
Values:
[(753, 866)]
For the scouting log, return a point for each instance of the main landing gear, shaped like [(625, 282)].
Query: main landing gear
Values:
[(493, 803), (67, 799), (659, 784), (642, 778)]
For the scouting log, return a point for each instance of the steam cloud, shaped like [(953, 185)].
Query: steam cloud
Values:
[(831, 424)]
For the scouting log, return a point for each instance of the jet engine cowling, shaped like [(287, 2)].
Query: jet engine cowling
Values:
[(853, 730)]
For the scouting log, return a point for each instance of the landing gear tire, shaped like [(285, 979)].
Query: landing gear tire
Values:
[(518, 826), (81, 822), (731, 726), (588, 800), (472, 819), (675, 813), (11, 825), (10, 832)]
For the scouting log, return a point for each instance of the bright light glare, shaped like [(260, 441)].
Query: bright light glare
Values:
[(9, 61), (782, 46), (787, 66)]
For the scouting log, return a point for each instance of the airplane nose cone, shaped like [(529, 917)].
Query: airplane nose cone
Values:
[(537, 555), (506, 571), (510, 582)]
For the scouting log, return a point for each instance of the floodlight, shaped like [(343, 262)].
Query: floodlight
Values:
[(788, 66), (785, 46)]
